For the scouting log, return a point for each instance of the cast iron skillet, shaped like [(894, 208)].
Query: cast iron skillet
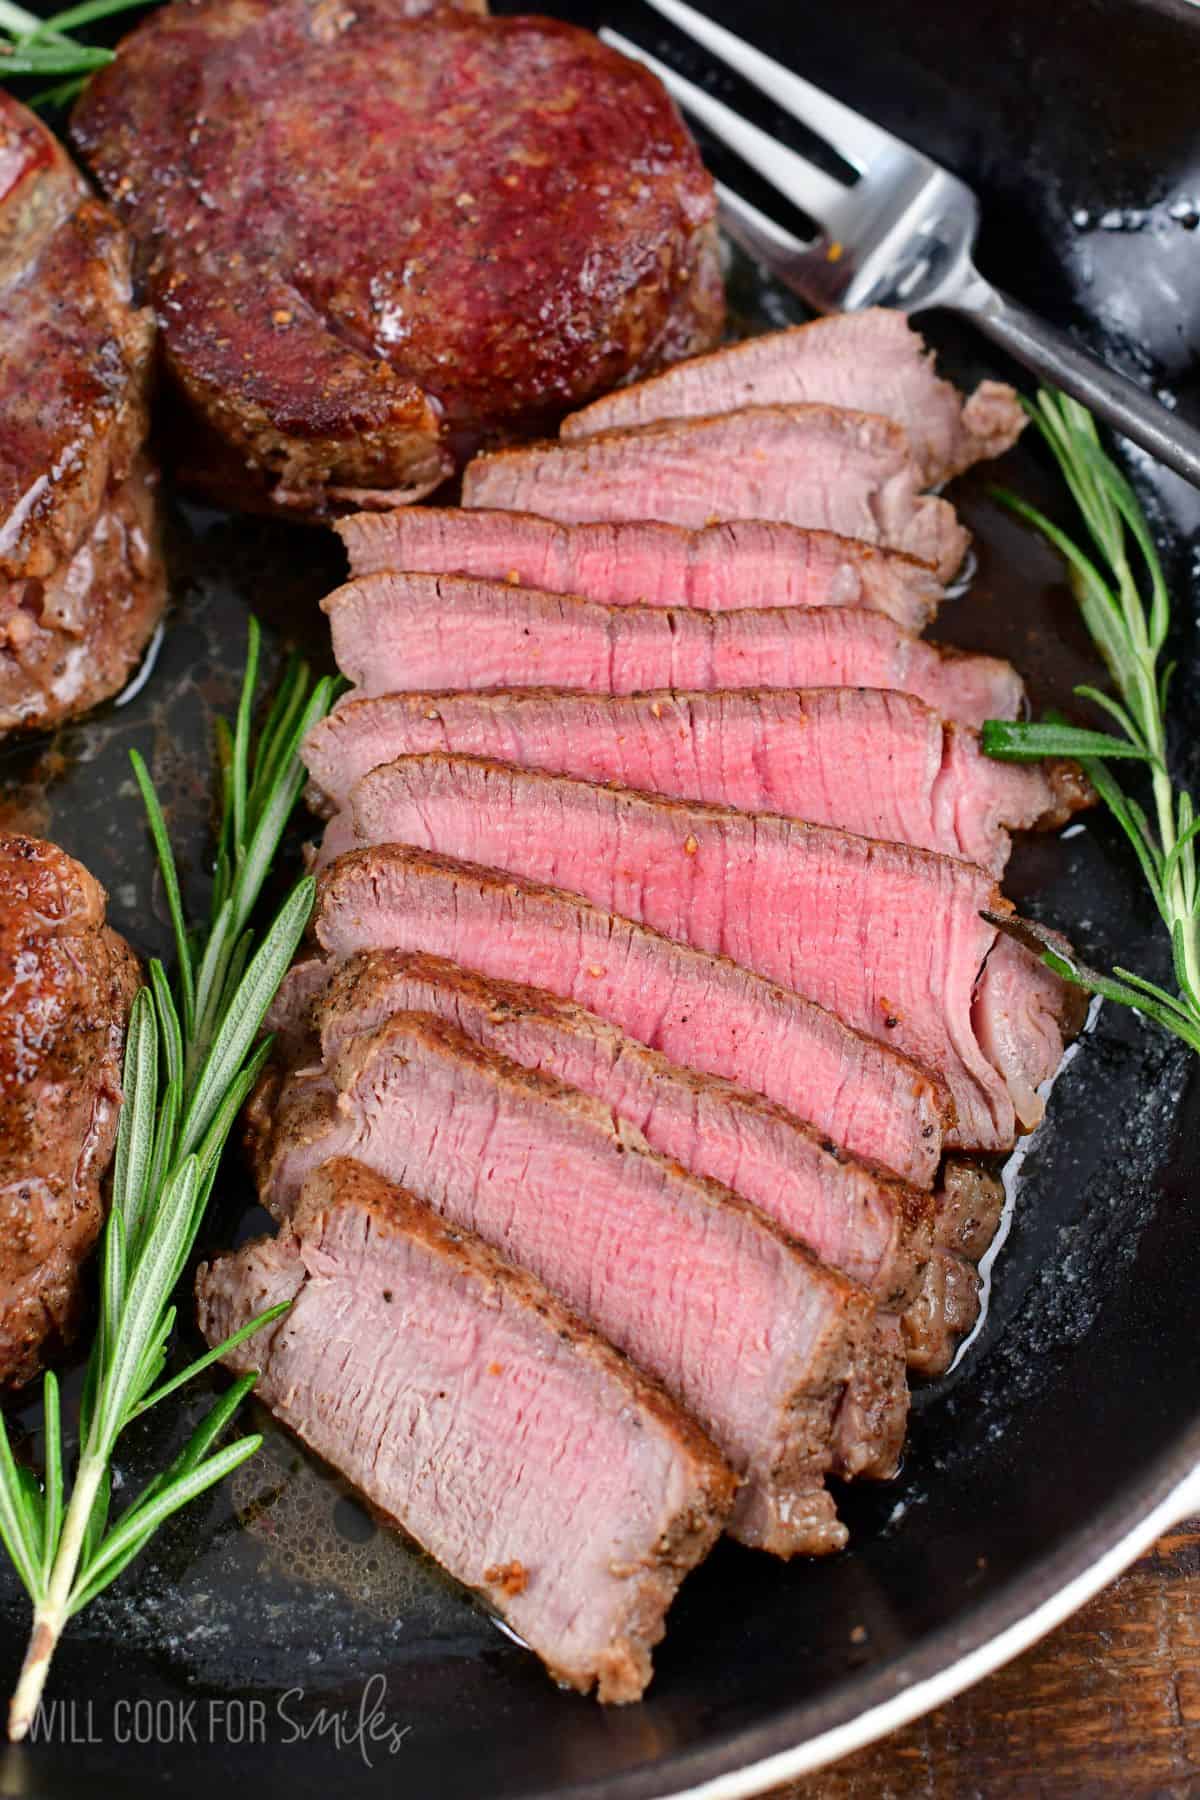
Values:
[(1076, 1412)]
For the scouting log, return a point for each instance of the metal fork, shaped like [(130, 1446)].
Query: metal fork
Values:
[(901, 234)]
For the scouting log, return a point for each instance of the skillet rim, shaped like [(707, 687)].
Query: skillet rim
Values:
[(864, 1708)]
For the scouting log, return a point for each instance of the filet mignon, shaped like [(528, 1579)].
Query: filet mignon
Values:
[(870, 1226), (531, 1459), (760, 1341), (702, 1011), (394, 632), (871, 360), (892, 939), (868, 760), (374, 240), (81, 578), (822, 467), (66, 985), (717, 568)]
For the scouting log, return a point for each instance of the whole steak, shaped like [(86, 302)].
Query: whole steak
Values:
[(376, 241), (81, 581), (66, 984)]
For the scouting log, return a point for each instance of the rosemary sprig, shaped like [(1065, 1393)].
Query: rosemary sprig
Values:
[(190, 1063), (33, 46), (1126, 608)]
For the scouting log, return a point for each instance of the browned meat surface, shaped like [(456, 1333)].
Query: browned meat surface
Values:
[(374, 240), (872, 360), (532, 1460), (81, 579), (66, 984), (760, 1341), (968, 1207)]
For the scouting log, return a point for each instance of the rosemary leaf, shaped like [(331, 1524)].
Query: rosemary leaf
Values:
[(16, 1526), (1127, 610), (1018, 740), (214, 1356), (132, 1533), (53, 1479), (191, 1059), (135, 1129), (170, 875)]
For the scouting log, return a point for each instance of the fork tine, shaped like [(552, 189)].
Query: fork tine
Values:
[(760, 236), (801, 181), (853, 137)]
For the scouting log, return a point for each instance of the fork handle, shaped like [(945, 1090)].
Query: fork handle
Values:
[(1054, 358)]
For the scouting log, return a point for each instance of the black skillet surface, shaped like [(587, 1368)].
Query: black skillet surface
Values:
[(275, 1608)]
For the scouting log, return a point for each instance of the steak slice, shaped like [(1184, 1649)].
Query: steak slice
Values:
[(866, 1224), (816, 466), (718, 568), (396, 632), (863, 1222), (700, 1011), (535, 1463), (892, 939), (81, 578), (969, 1204), (354, 296), (759, 1340), (878, 763), (66, 986), (871, 360)]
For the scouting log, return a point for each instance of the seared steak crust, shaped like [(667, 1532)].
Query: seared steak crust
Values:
[(531, 1459), (375, 240), (81, 580), (66, 984)]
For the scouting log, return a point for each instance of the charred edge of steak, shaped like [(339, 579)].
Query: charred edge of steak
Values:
[(969, 1205), (70, 982)]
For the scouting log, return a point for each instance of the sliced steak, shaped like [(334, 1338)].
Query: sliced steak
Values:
[(700, 1011), (718, 568), (816, 466), (968, 1206), (66, 985), (398, 632), (878, 763), (498, 220), (891, 939), (535, 1463), (81, 578), (649, 1255), (868, 1225), (871, 360)]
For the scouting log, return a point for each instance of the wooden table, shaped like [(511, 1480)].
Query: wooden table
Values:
[(1107, 1705)]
